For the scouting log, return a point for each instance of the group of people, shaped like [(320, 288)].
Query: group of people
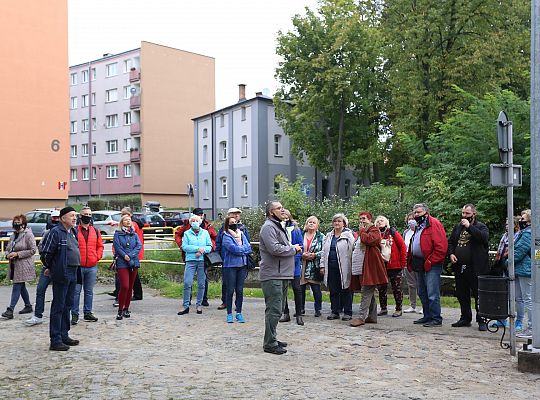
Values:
[(69, 250), (346, 261)]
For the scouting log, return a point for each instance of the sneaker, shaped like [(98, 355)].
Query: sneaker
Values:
[(240, 318), (276, 350), (8, 314), (74, 319), (384, 311), (27, 309), (519, 325), (525, 334), (115, 304), (90, 317), (230, 319), (432, 324), (499, 324), (33, 321), (410, 310)]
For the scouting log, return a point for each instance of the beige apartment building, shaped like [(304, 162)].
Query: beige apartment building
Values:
[(130, 123), (34, 140)]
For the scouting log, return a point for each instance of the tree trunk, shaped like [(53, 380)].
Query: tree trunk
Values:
[(338, 162)]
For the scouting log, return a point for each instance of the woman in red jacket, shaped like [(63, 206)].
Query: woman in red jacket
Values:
[(394, 266)]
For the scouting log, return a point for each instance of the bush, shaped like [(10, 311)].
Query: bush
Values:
[(97, 204), (133, 201)]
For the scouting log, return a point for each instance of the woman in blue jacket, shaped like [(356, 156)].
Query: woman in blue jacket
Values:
[(126, 247), (195, 243), (235, 248)]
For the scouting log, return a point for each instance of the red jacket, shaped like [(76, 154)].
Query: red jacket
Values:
[(179, 234), (92, 249), (140, 234), (398, 255), (433, 244)]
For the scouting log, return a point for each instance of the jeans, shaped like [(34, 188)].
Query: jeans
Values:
[(340, 299), (43, 284), (523, 299), (273, 293), (61, 306), (190, 269), (19, 290), (317, 295), (89, 275), (235, 277), (297, 292), (429, 291)]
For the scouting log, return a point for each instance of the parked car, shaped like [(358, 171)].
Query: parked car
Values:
[(152, 220), (175, 218), (6, 230), (106, 221), (38, 220)]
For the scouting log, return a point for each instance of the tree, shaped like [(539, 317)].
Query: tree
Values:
[(330, 99)]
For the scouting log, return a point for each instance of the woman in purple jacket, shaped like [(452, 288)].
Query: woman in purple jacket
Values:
[(235, 247)]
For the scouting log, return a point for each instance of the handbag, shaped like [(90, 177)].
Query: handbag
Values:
[(251, 264), (112, 265), (386, 249), (212, 259)]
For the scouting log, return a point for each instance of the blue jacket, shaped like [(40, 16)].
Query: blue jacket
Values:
[(219, 239), (296, 238), (191, 242), (54, 253), (235, 254), (522, 253), (127, 243)]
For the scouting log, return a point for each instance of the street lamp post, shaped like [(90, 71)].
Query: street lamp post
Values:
[(99, 181)]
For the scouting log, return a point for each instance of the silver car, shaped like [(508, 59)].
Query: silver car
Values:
[(106, 221)]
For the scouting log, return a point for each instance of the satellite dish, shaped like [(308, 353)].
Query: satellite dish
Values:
[(133, 91)]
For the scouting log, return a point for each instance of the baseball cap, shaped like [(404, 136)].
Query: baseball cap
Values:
[(234, 210), (55, 213), (198, 211)]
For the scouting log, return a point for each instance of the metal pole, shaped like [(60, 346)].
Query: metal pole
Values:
[(535, 168), (510, 216)]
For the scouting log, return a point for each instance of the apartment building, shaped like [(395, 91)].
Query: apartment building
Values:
[(241, 150), (130, 123), (34, 142)]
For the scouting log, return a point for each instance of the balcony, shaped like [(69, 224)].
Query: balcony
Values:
[(136, 180), (135, 128), (134, 155), (135, 102), (134, 75)]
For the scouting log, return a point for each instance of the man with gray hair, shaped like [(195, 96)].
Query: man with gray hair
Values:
[(426, 255), (276, 269)]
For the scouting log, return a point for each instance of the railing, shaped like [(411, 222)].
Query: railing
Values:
[(134, 75), (135, 102), (135, 128), (134, 155)]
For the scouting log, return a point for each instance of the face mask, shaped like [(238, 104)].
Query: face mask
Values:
[(233, 227), (411, 223), (196, 225), (86, 219), (16, 227), (54, 222), (420, 219), (382, 228), (522, 224), (470, 219)]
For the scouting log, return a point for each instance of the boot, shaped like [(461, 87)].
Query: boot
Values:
[(299, 320), (27, 309), (285, 318), (8, 314)]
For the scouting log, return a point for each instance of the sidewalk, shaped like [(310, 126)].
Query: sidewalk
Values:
[(157, 354)]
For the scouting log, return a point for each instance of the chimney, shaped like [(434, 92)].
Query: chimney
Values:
[(258, 94), (241, 92)]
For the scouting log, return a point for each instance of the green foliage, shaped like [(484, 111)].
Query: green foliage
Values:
[(97, 204), (133, 201)]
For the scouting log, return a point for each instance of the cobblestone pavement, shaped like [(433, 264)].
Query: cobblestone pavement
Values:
[(158, 355)]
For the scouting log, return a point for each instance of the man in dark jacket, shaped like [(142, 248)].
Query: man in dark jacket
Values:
[(468, 252), (61, 257)]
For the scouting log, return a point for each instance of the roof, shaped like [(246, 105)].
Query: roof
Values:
[(259, 97)]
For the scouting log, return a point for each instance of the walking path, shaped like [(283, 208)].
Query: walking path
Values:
[(158, 355)]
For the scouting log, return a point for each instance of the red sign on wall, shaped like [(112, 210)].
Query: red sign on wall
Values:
[(62, 185)]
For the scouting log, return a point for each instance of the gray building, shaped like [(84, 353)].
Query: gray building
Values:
[(240, 150)]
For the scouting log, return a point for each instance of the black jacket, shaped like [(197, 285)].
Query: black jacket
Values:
[(479, 245)]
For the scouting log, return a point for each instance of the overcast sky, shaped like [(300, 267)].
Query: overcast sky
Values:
[(239, 34)]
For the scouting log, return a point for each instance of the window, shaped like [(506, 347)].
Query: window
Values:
[(223, 151), (84, 76), (112, 171), (73, 151), (223, 181), (111, 95), (93, 99), (127, 144), (111, 70), (243, 112), (94, 124), (73, 174), (277, 146), (244, 146), (112, 146), (205, 189), (112, 121), (73, 127), (84, 174), (94, 172), (127, 170), (73, 78), (84, 150), (127, 92), (127, 65), (205, 155), (205, 133), (222, 120), (127, 118), (244, 185), (84, 100), (94, 148), (93, 74), (74, 103), (85, 125)]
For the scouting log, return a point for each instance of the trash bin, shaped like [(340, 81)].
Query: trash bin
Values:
[(493, 297)]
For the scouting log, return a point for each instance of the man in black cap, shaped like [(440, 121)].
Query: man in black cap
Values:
[(61, 258), (213, 234)]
